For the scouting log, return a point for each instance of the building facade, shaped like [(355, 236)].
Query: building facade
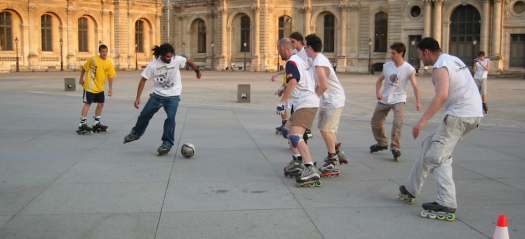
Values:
[(55, 34), (225, 34), (356, 33)]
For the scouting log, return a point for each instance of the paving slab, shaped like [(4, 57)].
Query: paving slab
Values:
[(56, 184)]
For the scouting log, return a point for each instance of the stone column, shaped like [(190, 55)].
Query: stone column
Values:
[(427, 18), (341, 52), (307, 17), (438, 9), (496, 29), (485, 26), (255, 66)]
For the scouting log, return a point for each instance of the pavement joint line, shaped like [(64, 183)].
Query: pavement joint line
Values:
[(186, 113), (473, 228), (282, 179), (45, 188)]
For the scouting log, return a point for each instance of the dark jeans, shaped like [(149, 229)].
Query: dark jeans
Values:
[(154, 103)]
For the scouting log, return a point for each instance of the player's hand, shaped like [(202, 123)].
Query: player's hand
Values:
[(379, 97), (417, 129), (274, 77), (110, 92), (137, 103), (418, 106), (81, 81), (280, 109)]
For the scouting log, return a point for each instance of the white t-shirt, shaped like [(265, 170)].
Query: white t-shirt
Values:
[(303, 55), (464, 99), (167, 79), (334, 96), (303, 95), (481, 72), (395, 82)]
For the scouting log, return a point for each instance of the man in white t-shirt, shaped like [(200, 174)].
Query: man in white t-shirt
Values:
[(297, 41), (456, 91), (332, 102), (300, 89), (164, 70), (481, 72), (395, 78)]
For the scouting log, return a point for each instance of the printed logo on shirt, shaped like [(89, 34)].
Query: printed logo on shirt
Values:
[(394, 81), (460, 66)]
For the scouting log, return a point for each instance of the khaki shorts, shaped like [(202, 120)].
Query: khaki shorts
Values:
[(482, 86), (303, 117), (329, 119)]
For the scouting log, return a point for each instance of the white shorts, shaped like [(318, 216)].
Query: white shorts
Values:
[(329, 119)]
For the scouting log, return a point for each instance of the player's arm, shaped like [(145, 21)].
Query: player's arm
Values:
[(413, 81), (288, 91), (140, 88), (322, 80), (86, 65), (379, 83), (82, 74), (441, 80), (111, 74), (194, 67)]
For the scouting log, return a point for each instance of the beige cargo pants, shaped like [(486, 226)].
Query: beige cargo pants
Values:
[(436, 158)]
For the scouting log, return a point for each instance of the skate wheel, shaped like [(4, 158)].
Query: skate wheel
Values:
[(424, 214), (317, 184), (432, 216), (451, 217), (441, 217)]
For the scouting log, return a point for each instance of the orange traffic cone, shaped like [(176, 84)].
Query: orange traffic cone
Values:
[(501, 231)]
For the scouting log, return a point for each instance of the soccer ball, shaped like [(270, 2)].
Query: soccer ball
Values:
[(187, 150)]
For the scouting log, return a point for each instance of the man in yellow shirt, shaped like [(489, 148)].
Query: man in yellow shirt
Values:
[(93, 78)]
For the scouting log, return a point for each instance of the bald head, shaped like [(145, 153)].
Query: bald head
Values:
[(285, 48)]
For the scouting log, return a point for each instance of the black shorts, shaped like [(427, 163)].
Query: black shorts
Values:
[(89, 97)]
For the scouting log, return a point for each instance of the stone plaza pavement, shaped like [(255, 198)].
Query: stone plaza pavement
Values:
[(55, 184)]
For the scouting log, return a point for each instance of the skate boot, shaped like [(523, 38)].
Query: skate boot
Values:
[(340, 154), (294, 168), (405, 196), (433, 210), (309, 177), (278, 130), (307, 135), (330, 167), (84, 129), (163, 149), (99, 128), (396, 154), (130, 137), (376, 148)]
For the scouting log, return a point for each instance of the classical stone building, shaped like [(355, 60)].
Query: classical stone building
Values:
[(53, 33), (222, 33)]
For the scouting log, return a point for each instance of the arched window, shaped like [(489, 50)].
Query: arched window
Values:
[(139, 35), (245, 34), (329, 33), (381, 32), (83, 34), (465, 28), (285, 26), (6, 32), (201, 36), (46, 28)]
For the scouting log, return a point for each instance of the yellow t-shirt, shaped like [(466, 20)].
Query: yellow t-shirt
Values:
[(98, 71)]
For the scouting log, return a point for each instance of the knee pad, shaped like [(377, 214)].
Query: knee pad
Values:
[(295, 139)]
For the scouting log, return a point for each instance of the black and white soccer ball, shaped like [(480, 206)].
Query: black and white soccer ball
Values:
[(187, 150)]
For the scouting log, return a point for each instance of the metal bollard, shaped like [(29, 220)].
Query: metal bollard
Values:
[(243, 93), (69, 84)]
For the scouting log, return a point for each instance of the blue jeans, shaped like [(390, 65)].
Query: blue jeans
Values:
[(154, 103)]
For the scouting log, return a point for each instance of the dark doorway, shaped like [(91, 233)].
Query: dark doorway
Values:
[(465, 25), (413, 57)]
